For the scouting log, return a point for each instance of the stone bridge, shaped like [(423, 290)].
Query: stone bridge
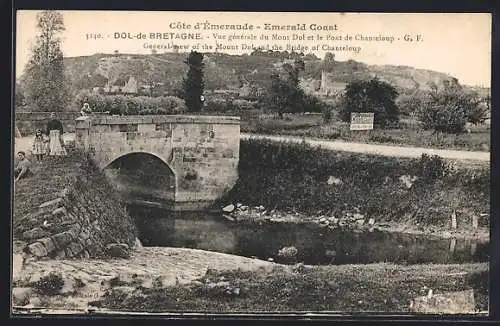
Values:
[(202, 152)]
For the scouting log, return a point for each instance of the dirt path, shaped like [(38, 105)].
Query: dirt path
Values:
[(385, 150), (25, 143)]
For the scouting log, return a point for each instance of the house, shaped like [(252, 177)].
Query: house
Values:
[(130, 87), (122, 86)]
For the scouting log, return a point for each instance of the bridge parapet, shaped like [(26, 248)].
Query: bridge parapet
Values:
[(201, 151)]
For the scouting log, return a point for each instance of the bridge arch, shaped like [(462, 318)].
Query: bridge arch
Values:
[(139, 173), (104, 164)]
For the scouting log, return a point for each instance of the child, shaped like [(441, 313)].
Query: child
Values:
[(23, 167), (86, 110), (39, 145)]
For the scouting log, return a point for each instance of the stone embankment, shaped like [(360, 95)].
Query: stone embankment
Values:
[(84, 220), (67, 211)]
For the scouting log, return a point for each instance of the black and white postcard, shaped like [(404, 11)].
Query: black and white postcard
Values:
[(251, 163)]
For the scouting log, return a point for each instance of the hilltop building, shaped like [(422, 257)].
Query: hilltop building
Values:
[(119, 86)]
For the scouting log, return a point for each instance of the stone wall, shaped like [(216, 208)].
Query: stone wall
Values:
[(28, 122), (201, 151), (85, 220)]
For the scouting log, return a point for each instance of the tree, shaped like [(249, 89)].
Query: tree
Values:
[(370, 96), (280, 92), (193, 83), (449, 109), (284, 93), (477, 112), (19, 98), (44, 79), (328, 62), (311, 56), (329, 57), (410, 102)]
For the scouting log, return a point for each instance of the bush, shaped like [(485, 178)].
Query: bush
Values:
[(409, 104), (223, 105), (313, 104), (130, 105), (287, 175), (448, 110), (370, 96), (172, 104), (327, 114), (51, 284), (430, 168), (443, 118), (243, 105), (217, 105), (477, 180), (117, 105)]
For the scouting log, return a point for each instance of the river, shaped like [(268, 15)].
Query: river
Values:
[(291, 243)]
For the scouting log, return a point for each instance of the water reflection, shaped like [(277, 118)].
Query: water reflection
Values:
[(314, 245)]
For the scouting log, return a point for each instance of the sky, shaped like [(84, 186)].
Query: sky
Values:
[(458, 44)]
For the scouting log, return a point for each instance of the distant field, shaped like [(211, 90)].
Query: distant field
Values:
[(409, 133)]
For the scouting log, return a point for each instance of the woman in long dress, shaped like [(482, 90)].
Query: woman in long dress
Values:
[(55, 132)]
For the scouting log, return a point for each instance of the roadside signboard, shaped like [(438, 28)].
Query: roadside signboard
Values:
[(361, 121)]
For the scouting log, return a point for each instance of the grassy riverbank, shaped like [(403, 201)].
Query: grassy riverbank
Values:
[(348, 288), (48, 180), (423, 192)]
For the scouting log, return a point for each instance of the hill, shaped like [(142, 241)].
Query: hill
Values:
[(222, 71)]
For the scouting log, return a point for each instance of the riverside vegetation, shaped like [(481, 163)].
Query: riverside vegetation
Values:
[(422, 192)]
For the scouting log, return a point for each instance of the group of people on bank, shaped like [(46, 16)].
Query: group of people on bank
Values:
[(48, 143)]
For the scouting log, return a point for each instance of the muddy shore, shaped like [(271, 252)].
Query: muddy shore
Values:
[(181, 280)]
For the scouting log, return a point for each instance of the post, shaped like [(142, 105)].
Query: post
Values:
[(475, 222), (473, 248), (17, 132), (82, 133), (453, 244), (453, 220)]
